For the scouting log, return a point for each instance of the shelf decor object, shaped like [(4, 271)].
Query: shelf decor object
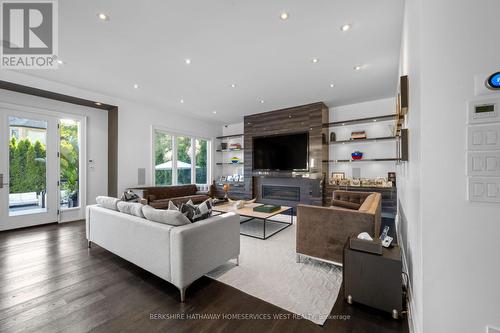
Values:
[(357, 155), (332, 137), (235, 160), (358, 135)]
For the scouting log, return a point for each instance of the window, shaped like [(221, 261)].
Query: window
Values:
[(163, 144), (180, 159), (184, 154), (201, 161), (70, 163)]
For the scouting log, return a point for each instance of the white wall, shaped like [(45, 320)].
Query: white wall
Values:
[(409, 223), (448, 43), (135, 123), (380, 149)]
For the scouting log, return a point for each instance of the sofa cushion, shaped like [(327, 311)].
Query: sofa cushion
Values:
[(197, 212), (107, 202), (131, 208), (346, 204), (170, 217)]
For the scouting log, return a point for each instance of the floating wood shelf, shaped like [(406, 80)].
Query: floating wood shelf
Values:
[(364, 160), (229, 150), (228, 163), (229, 136), (385, 138), (360, 121)]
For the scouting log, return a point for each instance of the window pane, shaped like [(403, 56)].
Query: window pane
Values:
[(183, 160), (201, 161), (70, 163), (27, 166), (163, 159)]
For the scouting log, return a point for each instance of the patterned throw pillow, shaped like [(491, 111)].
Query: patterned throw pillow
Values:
[(197, 212)]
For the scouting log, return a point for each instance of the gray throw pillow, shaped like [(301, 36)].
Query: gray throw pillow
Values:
[(107, 202), (131, 208), (170, 217)]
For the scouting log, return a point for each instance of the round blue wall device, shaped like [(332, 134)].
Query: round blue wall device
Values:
[(494, 81)]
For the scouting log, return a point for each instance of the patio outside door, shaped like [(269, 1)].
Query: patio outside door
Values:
[(29, 169)]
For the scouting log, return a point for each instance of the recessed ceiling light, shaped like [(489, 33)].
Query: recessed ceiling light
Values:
[(314, 60), (187, 61), (261, 101), (374, 119), (182, 101), (284, 16), (103, 17), (233, 85), (136, 86), (332, 85), (214, 112), (357, 68), (60, 62), (345, 27), (97, 103)]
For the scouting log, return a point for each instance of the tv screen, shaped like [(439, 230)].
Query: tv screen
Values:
[(281, 152)]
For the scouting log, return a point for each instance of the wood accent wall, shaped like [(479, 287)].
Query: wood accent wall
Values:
[(305, 118)]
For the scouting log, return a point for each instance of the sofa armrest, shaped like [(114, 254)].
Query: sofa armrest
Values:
[(200, 247), (323, 231)]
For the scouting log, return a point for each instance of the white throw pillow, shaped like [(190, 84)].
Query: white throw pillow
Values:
[(131, 208), (107, 202), (172, 206), (170, 217)]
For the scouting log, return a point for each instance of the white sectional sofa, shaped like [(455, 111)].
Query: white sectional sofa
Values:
[(177, 254)]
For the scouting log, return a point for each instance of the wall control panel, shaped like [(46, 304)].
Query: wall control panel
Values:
[(483, 150)]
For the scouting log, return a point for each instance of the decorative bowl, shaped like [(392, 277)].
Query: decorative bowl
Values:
[(357, 155), (235, 160)]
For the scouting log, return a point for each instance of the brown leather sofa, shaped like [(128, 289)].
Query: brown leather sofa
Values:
[(159, 196), (323, 231)]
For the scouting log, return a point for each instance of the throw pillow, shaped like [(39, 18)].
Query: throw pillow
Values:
[(172, 206), (170, 217), (107, 202), (197, 212), (131, 208)]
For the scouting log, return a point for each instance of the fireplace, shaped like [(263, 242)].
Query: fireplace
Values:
[(287, 193)]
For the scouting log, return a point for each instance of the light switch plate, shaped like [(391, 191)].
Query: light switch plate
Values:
[(483, 137), (484, 189), (483, 163)]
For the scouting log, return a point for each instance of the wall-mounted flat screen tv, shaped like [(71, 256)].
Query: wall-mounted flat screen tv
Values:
[(289, 152)]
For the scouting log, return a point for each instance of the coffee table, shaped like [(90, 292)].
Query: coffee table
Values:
[(249, 214)]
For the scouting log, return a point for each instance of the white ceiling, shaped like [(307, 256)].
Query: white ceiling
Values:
[(230, 41)]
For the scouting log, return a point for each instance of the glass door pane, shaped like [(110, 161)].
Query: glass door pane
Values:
[(69, 131), (184, 154), (27, 166), (163, 158), (201, 161)]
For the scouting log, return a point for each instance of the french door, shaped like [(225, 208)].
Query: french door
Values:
[(29, 169)]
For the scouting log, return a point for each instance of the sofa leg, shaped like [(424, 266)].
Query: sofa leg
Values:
[(297, 258), (237, 260), (89, 244), (183, 294)]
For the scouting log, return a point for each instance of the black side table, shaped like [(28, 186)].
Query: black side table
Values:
[(374, 280)]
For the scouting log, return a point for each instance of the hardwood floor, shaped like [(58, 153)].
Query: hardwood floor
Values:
[(51, 282)]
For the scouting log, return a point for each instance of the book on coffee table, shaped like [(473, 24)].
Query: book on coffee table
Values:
[(266, 208)]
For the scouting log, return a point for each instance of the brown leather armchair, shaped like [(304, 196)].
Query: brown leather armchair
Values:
[(323, 231)]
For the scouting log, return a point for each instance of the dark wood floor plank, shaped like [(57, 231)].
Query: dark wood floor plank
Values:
[(51, 282)]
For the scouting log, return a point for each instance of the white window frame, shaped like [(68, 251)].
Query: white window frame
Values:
[(175, 135)]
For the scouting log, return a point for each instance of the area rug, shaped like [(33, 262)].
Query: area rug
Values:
[(268, 270)]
